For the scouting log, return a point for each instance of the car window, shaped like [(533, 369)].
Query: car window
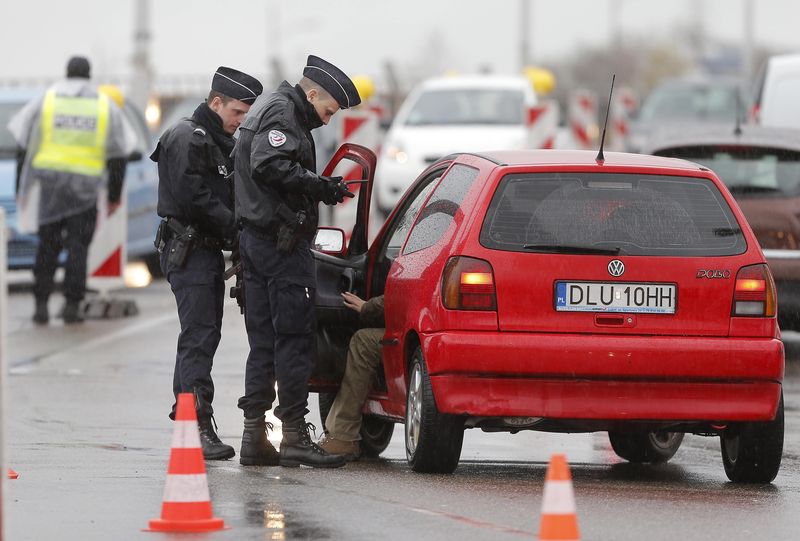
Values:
[(440, 210), (468, 106), (755, 171), (404, 221), (639, 214)]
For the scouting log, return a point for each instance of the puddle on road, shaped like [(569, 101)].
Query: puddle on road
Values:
[(280, 525)]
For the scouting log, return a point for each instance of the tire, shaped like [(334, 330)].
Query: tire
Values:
[(751, 452), (375, 436), (375, 433), (433, 439), (638, 447)]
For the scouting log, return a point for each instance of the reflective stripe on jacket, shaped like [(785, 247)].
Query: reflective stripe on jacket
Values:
[(74, 132)]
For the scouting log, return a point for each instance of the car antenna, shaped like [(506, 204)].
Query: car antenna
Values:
[(600, 157), (737, 130)]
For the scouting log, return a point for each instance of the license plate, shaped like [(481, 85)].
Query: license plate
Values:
[(637, 298)]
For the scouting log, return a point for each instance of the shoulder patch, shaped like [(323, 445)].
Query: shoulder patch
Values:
[(201, 131), (276, 138)]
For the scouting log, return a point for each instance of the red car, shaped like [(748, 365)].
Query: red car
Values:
[(547, 290)]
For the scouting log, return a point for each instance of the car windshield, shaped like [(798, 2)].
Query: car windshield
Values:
[(468, 106), (696, 103), (628, 214), (754, 171), (7, 144)]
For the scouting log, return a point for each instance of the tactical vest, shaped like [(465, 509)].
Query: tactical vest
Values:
[(73, 134)]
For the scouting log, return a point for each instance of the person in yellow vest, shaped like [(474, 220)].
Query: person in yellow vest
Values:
[(74, 141)]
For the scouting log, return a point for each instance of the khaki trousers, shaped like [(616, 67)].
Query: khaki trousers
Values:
[(363, 357)]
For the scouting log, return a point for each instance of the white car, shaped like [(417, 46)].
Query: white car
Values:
[(454, 114), (777, 88)]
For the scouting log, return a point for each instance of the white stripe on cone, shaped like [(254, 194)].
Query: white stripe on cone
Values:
[(186, 435), (558, 498), (185, 488)]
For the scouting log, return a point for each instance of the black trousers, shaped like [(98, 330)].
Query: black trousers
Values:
[(199, 291), (280, 319), (73, 233)]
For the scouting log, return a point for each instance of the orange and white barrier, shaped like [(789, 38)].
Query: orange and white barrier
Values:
[(187, 503), (543, 124), (623, 105), (559, 520), (582, 117), (360, 125)]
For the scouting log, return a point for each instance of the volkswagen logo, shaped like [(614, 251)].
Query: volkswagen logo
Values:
[(616, 267)]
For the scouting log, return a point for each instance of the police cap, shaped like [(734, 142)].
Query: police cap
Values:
[(235, 84), (333, 80)]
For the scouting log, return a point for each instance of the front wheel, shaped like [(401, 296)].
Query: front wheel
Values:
[(752, 452), (639, 447), (433, 439)]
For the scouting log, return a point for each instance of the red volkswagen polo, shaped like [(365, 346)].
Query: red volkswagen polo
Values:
[(548, 290)]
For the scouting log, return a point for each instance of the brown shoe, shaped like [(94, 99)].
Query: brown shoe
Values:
[(351, 450)]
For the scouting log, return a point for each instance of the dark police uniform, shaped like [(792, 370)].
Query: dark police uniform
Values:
[(276, 186), (195, 198)]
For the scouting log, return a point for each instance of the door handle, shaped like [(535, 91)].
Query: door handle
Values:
[(347, 280)]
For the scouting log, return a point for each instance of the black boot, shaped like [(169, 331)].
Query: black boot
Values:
[(213, 448), (72, 313), (256, 448), (41, 315), (297, 448)]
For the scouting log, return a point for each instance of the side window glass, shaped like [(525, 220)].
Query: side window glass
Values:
[(441, 208), (404, 222)]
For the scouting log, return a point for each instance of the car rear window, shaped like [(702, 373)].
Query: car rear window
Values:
[(636, 214), (747, 170)]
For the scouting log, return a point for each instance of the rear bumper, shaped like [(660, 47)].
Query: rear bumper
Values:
[(605, 377)]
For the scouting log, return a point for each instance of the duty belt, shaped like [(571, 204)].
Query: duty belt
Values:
[(176, 228)]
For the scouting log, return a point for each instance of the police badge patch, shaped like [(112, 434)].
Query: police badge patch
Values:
[(276, 138)]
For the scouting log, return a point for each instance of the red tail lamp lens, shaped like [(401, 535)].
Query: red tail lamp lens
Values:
[(754, 293), (468, 284)]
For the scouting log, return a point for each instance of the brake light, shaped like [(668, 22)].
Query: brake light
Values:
[(468, 284), (754, 292)]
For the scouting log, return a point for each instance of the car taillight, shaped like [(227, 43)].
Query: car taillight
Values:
[(754, 293), (468, 284)]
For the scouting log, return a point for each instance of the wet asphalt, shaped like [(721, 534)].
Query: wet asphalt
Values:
[(87, 429)]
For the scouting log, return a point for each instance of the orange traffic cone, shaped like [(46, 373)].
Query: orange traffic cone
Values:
[(187, 504), (559, 521), (12, 474)]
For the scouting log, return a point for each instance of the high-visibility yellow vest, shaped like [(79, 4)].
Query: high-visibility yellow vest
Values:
[(73, 134)]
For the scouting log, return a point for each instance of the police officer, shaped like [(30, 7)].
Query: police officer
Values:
[(195, 200), (72, 143), (277, 199)]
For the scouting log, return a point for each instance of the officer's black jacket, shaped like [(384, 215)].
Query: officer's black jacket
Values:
[(275, 160), (194, 175)]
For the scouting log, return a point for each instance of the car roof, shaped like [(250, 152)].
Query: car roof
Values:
[(751, 135), (582, 158), (475, 81)]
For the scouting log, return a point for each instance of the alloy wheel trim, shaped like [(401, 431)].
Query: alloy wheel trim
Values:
[(413, 415)]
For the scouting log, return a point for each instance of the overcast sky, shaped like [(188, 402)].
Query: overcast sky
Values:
[(193, 37)]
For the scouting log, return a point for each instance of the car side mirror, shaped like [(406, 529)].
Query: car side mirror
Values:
[(330, 240)]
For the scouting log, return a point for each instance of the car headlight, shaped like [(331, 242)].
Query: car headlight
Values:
[(396, 153)]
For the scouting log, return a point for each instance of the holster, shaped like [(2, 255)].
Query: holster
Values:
[(290, 229), (183, 240)]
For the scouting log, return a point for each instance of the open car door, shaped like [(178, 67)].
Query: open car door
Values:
[(341, 268)]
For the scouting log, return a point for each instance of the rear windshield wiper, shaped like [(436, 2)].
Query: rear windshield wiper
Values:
[(567, 249)]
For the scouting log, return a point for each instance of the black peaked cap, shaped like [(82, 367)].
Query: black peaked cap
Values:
[(236, 84), (332, 79), (78, 66)]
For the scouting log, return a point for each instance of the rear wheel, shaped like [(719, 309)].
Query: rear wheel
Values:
[(751, 452), (639, 447), (433, 439)]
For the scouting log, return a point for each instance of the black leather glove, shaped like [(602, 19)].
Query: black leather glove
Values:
[(334, 190)]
